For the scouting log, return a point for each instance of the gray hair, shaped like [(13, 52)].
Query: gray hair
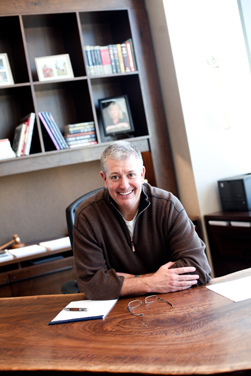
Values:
[(119, 151)]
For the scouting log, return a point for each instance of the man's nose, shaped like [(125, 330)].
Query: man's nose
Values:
[(124, 182)]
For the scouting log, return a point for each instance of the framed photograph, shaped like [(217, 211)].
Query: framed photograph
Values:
[(57, 67), (5, 71), (116, 115)]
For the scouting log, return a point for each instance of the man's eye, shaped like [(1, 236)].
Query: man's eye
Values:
[(132, 175), (114, 177)]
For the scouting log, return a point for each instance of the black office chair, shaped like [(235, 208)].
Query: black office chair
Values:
[(71, 287)]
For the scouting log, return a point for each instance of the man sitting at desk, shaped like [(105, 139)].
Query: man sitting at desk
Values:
[(131, 238)]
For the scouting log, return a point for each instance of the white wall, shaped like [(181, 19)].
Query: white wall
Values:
[(206, 87)]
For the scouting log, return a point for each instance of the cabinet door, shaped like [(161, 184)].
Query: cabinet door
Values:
[(230, 248), (5, 289), (41, 279), (43, 285)]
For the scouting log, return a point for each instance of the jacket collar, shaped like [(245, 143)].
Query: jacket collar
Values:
[(144, 201)]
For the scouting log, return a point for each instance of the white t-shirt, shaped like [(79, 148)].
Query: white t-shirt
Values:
[(130, 224)]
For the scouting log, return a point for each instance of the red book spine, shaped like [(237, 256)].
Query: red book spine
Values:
[(130, 58)]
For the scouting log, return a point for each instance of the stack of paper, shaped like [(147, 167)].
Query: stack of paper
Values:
[(237, 290), (53, 245), (5, 256), (27, 251), (84, 310)]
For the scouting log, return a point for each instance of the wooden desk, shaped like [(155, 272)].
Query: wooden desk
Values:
[(204, 333)]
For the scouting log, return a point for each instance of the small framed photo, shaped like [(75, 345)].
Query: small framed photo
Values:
[(116, 115), (56, 67), (5, 71)]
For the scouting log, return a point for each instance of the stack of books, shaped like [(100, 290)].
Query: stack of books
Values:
[(23, 135), (53, 130), (110, 59), (80, 134)]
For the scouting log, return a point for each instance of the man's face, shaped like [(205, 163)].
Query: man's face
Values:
[(124, 181)]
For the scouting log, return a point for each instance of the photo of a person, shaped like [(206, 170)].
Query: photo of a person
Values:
[(116, 117), (5, 71), (47, 71)]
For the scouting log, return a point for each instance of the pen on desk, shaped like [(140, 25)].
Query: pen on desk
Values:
[(76, 309)]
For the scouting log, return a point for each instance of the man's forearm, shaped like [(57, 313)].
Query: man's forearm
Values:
[(136, 285), (164, 280)]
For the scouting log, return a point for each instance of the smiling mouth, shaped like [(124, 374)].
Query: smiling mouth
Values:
[(124, 193)]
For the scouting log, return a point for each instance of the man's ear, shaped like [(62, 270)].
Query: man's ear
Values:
[(143, 173), (103, 177)]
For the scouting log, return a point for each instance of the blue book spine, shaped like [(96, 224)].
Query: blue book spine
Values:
[(52, 128), (48, 131), (58, 132)]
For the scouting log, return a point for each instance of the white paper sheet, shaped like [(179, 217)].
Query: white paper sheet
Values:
[(6, 257), (27, 251), (52, 245), (96, 309), (237, 290)]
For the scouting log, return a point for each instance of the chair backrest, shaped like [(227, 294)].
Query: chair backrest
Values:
[(71, 209)]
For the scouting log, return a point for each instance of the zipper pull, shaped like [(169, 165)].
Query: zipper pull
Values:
[(132, 245)]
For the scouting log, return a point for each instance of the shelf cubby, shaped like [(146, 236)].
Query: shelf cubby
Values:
[(113, 86), (103, 28), (53, 34), (11, 42), (68, 102), (15, 103)]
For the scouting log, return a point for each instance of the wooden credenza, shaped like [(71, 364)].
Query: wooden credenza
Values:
[(39, 274), (229, 236)]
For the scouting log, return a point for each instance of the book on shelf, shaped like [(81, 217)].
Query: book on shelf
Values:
[(130, 54), (47, 128), (60, 137), (110, 59), (125, 58), (106, 61), (130, 46), (89, 61), (79, 130), (6, 150), (116, 58), (120, 57), (95, 61), (53, 130), (79, 134), (75, 127), (98, 61), (19, 139), (29, 120), (78, 144)]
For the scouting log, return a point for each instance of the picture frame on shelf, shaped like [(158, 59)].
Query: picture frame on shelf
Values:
[(56, 67), (116, 115), (5, 71)]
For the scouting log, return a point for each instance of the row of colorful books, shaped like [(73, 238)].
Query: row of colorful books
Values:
[(80, 134), (23, 135), (110, 59), (53, 130)]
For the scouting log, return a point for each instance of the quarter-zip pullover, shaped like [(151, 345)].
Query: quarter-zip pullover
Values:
[(102, 243)]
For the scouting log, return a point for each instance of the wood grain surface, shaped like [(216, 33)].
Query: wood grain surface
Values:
[(204, 333)]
